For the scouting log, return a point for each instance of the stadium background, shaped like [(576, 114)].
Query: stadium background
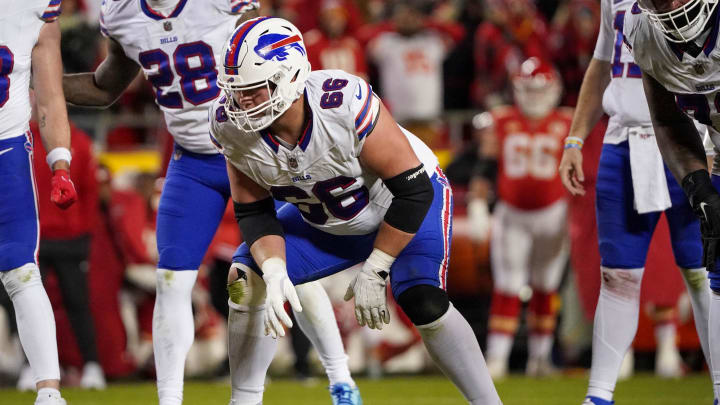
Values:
[(482, 43)]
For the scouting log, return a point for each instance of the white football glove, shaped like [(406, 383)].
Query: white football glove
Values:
[(368, 288), (279, 289)]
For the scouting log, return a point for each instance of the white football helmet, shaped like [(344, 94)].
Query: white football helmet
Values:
[(263, 52), (536, 88), (681, 24)]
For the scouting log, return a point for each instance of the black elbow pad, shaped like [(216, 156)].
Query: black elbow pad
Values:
[(257, 219), (413, 194)]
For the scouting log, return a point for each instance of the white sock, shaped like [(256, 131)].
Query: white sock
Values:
[(317, 321), (714, 341), (250, 352), (453, 345), (499, 346), (665, 335), (35, 320), (616, 319), (698, 289), (540, 345), (173, 331)]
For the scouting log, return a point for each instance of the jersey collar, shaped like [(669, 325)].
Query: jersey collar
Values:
[(304, 139), (679, 50), (157, 16)]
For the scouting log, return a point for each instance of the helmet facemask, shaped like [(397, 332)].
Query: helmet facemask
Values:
[(536, 89), (683, 24)]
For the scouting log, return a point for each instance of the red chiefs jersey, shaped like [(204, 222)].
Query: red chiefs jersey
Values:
[(528, 157), (344, 53)]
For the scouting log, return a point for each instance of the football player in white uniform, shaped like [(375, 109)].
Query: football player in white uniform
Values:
[(360, 190), (675, 44), (30, 43), (178, 44), (633, 188)]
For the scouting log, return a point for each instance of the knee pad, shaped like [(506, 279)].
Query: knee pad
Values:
[(622, 283), (245, 288), (424, 304), (696, 279), (20, 279)]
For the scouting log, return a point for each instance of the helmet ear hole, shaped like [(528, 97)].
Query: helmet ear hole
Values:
[(295, 76)]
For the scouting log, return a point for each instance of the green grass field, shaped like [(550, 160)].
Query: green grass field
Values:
[(641, 390)]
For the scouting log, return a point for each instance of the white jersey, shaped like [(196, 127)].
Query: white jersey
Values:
[(695, 81), (624, 98), (179, 55), (20, 24), (322, 174), (418, 61)]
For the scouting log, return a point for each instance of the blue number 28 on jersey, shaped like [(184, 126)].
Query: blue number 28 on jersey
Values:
[(194, 63), (6, 67)]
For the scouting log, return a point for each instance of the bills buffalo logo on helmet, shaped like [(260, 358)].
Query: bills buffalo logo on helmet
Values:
[(276, 46)]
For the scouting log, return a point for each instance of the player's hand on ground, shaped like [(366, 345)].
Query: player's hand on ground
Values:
[(368, 288), (62, 189), (571, 172), (279, 289), (705, 201)]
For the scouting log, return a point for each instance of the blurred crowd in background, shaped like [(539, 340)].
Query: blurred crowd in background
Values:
[(436, 65)]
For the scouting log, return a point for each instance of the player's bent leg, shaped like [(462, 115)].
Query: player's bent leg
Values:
[(317, 321), (616, 320), (450, 341), (173, 331), (249, 349), (36, 326)]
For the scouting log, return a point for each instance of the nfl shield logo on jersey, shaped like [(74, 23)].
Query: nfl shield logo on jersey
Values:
[(167, 25), (293, 163)]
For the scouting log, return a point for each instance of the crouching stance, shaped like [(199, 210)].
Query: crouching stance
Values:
[(360, 189)]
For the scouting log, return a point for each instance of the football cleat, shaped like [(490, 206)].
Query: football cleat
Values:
[(51, 399), (538, 368), (344, 394), (498, 368), (93, 377), (590, 400)]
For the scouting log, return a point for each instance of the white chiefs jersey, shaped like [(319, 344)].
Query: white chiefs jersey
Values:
[(322, 174), (418, 61), (20, 24), (624, 98), (695, 81), (179, 54)]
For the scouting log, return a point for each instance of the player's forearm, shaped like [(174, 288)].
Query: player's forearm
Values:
[(81, 89), (50, 103), (391, 240), (266, 247), (589, 107)]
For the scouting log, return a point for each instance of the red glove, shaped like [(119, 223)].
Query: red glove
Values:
[(62, 189)]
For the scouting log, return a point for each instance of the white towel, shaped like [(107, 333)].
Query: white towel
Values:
[(648, 172)]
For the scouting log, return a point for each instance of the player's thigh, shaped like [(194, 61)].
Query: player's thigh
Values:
[(510, 248), (312, 254), (623, 234), (684, 226), (550, 248), (192, 204), (19, 226), (426, 258)]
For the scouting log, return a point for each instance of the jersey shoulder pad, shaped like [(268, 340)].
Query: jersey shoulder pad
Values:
[(51, 11), (111, 14), (345, 99), (236, 7)]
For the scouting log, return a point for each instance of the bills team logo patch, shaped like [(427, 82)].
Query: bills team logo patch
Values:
[(277, 46)]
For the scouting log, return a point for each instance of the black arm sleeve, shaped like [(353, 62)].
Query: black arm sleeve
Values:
[(257, 219), (413, 194)]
